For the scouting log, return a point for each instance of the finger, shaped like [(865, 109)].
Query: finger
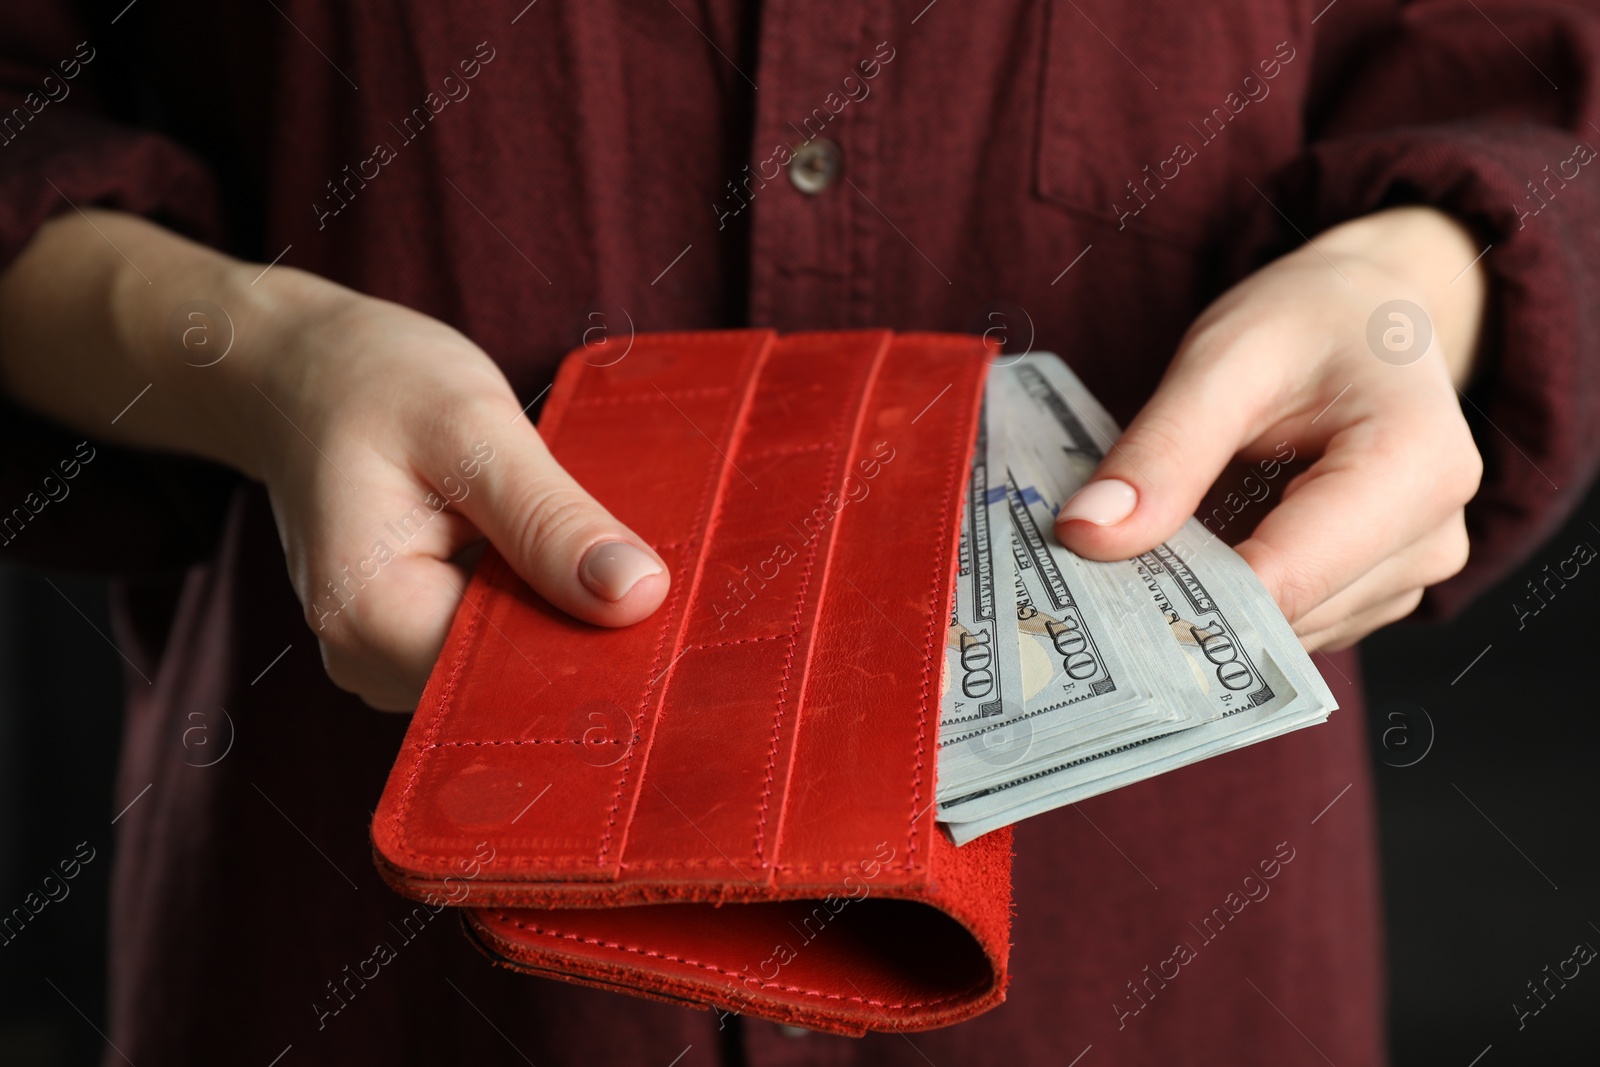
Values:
[(1154, 476), (572, 551), (382, 631), (1370, 495), (1427, 561), (1348, 631)]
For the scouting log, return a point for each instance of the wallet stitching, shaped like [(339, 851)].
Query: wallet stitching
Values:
[(796, 868), (833, 477), (403, 809), (751, 368), (638, 398), (526, 741), (783, 699), (951, 479), (790, 450), (644, 700), (713, 968), (741, 641)]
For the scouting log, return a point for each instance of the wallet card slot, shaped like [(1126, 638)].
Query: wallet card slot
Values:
[(874, 682), (731, 711)]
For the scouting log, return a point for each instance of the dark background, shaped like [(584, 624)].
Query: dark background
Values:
[(1480, 899)]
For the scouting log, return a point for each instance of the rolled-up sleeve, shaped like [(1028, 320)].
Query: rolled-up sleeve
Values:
[(1490, 112), (60, 151)]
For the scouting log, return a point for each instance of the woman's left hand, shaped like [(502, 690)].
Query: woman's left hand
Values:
[(1305, 351)]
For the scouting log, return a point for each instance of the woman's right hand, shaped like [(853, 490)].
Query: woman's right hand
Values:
[(389, 443)]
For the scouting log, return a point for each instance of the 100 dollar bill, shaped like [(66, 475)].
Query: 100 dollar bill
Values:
[(1220, 665), (982, 677)]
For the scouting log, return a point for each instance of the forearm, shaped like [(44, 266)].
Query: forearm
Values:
[(90, 320)]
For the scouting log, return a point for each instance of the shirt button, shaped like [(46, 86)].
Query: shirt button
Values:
[(815, 166)]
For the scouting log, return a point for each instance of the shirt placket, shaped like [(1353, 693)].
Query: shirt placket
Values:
[(812, 166)]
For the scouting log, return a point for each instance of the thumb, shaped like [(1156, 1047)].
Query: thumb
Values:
[(1155, 475), (572, 551)]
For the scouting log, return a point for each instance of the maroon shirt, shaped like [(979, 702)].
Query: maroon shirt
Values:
[(1097, 171)]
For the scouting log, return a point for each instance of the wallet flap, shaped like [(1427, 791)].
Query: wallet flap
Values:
[(767, 739), (805, 494)]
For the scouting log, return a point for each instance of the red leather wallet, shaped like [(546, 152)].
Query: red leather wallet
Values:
[(729, 804)]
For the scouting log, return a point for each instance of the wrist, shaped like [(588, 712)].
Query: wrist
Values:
[(276, 318), (138, 336), (201, 338)]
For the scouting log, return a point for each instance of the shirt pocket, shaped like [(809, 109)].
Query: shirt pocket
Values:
[(1156, 116)]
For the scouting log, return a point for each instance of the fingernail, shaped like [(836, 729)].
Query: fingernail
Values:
[(611, 568), (1104, 503)]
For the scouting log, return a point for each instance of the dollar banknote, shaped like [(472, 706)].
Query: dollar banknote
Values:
[(983, 675), (1125, 669), (1082, 679)]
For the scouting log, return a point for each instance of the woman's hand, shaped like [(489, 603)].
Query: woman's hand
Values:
[(388, 442), (1284, 356)]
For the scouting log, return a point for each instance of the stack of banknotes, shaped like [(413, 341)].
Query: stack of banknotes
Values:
[(1066, 678)]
